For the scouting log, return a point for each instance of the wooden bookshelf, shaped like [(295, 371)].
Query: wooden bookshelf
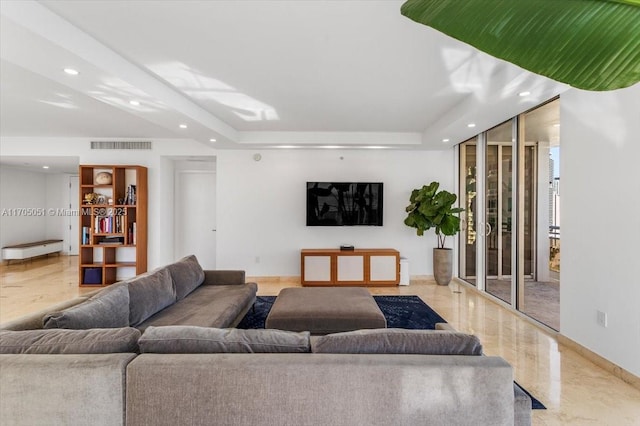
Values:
[(113, 223)]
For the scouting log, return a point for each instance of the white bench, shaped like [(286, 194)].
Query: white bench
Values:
[(29, 250)]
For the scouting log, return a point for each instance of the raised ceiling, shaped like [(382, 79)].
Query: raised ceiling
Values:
[(249, 74)]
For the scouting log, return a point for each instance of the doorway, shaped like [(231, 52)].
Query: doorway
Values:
[(195, 215)]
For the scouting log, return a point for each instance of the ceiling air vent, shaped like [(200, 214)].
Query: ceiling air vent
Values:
[(120, 145)]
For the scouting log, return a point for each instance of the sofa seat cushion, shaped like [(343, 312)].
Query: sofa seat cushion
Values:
[(187, 275), (191, 339), (61, 341), (108, 308), (149, 293), (207, 306), (398, 341)]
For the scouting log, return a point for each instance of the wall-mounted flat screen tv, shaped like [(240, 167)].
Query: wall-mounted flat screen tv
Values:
[(344, 203)]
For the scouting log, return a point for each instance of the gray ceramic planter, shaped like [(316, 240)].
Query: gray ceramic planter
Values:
[(442, 265)]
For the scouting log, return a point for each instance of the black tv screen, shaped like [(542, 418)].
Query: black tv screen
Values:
[(344, 203)]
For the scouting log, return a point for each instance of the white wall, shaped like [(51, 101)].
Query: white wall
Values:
[(40, 192), (600, 137), (157, 160), (276, 187), (261, 206), (57, 197), (22, 189)]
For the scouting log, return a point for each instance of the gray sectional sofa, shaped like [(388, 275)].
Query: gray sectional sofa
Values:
[(181, 293), (178, 361)]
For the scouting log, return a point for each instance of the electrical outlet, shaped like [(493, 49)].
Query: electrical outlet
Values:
[(602, 319), (257, 259)]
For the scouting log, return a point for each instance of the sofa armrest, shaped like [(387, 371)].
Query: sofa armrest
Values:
[(220, 277), (33, 321), (444, 326), (63, 389)]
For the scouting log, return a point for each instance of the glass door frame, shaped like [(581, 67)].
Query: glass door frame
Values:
[(517, 237)]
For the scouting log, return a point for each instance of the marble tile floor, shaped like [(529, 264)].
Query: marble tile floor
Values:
[(541, 298), (575, 391)]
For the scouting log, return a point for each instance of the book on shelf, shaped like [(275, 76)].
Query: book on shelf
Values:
[(112, 240), (109, 224), (132, 234), (85, 235), (130, 197)]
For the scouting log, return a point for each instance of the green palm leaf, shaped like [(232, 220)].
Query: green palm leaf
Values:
[(588, 44)]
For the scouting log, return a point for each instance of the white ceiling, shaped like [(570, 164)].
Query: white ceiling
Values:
[(50, 165), (249, 74)]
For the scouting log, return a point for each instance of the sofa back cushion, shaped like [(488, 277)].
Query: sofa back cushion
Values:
[(59, 341), (398, 341), (192, 339), (187, 275), (148, 294), (108, 308)]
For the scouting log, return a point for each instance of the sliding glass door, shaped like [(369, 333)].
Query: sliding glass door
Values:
[(504, 247), (540, 293), (499, 193)]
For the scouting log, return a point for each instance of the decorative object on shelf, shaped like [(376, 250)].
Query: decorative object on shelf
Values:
[(103, 178), (92, 276), (91, 198), (536, 36), (432, 209)]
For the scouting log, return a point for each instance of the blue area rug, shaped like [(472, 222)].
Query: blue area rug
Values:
[(408, 312), (400, 311)]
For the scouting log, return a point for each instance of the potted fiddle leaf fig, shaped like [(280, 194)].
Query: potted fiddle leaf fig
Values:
[(431, 208)]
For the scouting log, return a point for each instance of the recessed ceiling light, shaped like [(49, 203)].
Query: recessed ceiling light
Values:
[(556, 125), (471, 125), (134, 103), (445, 140), (524, 93), (71, 71), (45, 167), (212, 140), (183, 126)]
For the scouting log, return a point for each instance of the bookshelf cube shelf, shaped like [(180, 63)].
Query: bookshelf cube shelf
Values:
[(113, 223)]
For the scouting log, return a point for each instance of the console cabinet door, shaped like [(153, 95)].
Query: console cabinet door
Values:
[(317, 269), (383, 269), (350, 269)]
